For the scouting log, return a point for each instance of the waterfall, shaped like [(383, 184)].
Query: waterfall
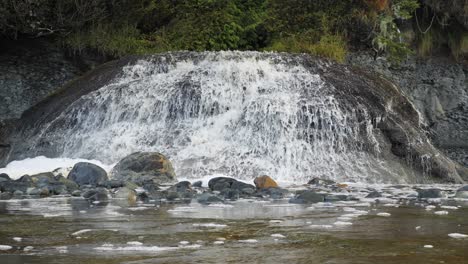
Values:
[(238, 114)]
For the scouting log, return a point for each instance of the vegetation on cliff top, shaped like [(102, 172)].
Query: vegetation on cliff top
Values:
[(326, 28)]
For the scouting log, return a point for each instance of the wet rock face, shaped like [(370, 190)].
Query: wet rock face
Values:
[(84, 173), (141, 167), (337, 119), (438, 88), (28, 73)]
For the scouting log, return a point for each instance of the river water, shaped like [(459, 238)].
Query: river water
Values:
[(396, 228)]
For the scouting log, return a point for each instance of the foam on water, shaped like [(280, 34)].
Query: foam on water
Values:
[(31, 166)]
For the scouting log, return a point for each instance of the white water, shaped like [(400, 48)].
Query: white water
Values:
[(229, 113), (31, 166)]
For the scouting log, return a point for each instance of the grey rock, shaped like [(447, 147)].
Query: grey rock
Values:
[(306, 197), (462, 192), (318, 181), (4, 177), (76, 193), (84, 173), (98, 194), (141, 167), (207, 198), (430, 193), (374, 194), (197, 184)]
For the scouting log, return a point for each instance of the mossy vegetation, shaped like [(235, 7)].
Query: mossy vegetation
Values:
[(327, 28)]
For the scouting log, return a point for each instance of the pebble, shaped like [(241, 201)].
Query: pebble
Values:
[(428, 246)]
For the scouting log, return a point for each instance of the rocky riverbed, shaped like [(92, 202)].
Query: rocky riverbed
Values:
[(392, 225), (85, 216)]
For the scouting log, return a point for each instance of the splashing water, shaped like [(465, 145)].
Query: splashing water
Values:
[(230, 113)]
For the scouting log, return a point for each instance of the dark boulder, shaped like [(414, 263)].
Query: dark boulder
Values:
[(273, 193), (12, 186), (221, 183), (306, 197), (430, 193), (374, 194), (144, 166), (323, 182), (84, 173), (208, 198), (197, 184), (4, 177), (96, 195)]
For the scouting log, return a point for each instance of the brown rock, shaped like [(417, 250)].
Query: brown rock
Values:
[(264, 182)]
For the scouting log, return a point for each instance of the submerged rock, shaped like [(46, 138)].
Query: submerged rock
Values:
[(84, 173), (430, 193), (265, 182), (273, 193), (208, 198), (144, 166), (96, 195), (374, 194), (323, 182), (4, 177), (307, 196), (462, 192)]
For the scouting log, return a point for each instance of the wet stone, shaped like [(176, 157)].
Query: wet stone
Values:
[(306, 197), (462, 192), (207, 198), (374, 194), (429, 193), (84, 173)]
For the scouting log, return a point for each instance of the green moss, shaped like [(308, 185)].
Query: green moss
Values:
[(329, 46)]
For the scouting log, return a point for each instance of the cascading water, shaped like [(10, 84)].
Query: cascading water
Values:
[(238, 114)]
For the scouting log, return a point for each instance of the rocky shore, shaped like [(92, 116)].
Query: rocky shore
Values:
[(148, 177)]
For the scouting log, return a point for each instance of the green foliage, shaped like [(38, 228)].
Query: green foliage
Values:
[(329, 46), (388, 37), (112, 41), (325, 28)]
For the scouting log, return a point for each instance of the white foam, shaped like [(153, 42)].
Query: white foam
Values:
[(341, 223), (384, 214), (218, 243), (210, 225), (28, 248), (18, 239), (136, 248), (5, 247), (278, 235), (250, 241), (441, 212), (321, 226), (40, 164), (447, 207), (457, 235), (428, 246), (134, 243)]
